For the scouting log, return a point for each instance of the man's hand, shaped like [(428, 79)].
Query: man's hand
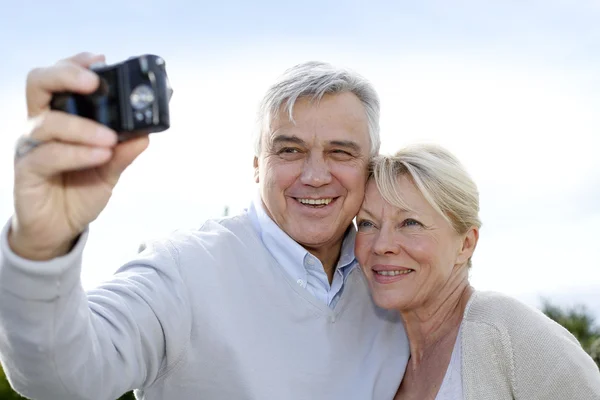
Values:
[(62, 184)]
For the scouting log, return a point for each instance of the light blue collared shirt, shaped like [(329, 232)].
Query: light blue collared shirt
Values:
[(306, 269)]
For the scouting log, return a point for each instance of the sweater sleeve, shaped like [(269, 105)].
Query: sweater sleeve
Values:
[(549, 362), (515, 351), (59, 342)]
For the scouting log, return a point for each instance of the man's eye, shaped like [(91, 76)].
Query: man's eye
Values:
[(341, 153), (288, 150)]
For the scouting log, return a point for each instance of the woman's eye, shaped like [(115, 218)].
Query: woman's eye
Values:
[(411, 222), (364, 224)]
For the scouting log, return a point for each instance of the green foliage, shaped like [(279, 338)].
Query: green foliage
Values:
[(6, 392), (580, 322)]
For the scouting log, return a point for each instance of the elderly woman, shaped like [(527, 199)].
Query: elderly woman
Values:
[(417, 231)]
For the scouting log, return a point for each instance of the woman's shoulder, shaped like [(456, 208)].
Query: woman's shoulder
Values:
[(510, 316), (498, 308), (524, 350)]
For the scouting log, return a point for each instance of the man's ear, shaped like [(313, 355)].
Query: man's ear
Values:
[(469, 243), (256, 171)]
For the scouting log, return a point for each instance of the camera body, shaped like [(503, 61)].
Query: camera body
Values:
[(132, 98)]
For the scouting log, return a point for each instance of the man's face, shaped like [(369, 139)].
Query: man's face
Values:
[(312, 174)]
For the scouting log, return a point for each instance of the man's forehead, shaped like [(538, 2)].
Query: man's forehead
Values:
[(335, 117)]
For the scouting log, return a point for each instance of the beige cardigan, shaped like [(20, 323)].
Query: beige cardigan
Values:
[(513, 351)]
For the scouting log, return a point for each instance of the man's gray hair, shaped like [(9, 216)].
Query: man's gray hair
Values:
[(313, 80)]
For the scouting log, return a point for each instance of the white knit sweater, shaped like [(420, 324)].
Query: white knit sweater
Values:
[(513, 351)]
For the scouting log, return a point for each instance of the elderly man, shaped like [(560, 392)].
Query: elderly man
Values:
[(268, 304)]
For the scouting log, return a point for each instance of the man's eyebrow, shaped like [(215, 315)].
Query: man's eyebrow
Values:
[(287, 139), (349, 144)]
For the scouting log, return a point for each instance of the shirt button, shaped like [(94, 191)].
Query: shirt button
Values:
[(300, 282), (310, 262)]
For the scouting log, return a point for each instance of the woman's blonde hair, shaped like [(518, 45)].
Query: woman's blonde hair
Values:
[(440, 178)]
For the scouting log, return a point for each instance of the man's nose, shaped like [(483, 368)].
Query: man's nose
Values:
[(316, 172)]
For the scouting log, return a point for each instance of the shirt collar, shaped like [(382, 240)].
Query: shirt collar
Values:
[(347, 257), (289, 253)]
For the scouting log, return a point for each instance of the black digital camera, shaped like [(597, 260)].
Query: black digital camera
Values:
[(132, 98)]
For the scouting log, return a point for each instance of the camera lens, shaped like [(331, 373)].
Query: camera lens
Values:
[(141, 97)]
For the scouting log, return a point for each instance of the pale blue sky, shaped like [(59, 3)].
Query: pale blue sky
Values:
[(564, 33), (512, 87)]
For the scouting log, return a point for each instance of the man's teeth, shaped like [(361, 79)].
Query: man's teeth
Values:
[(317, 202), (393, 273)]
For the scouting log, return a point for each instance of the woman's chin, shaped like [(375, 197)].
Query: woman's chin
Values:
[(389, 301)]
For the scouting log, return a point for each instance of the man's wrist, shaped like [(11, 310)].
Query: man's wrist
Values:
[(21, 246)]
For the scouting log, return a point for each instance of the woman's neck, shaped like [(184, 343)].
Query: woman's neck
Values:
[(436, 322)]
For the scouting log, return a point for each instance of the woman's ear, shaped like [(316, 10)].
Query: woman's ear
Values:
[(469, 243)]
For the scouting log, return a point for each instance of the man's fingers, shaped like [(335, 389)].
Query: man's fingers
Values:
[(70, 75), (124, 154), (63, 127), (85, 59), (52, 158)]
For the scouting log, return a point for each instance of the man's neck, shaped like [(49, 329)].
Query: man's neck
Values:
[(436, 323), (329, 257)]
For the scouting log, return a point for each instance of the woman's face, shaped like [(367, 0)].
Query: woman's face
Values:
[(408, 256)]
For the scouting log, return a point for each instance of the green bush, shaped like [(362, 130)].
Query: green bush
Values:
[(580, 322), (6, 392)]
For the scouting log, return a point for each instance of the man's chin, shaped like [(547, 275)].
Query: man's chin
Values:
[(314, 237)]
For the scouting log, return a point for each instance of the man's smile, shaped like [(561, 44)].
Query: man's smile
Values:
[(321, 202)]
